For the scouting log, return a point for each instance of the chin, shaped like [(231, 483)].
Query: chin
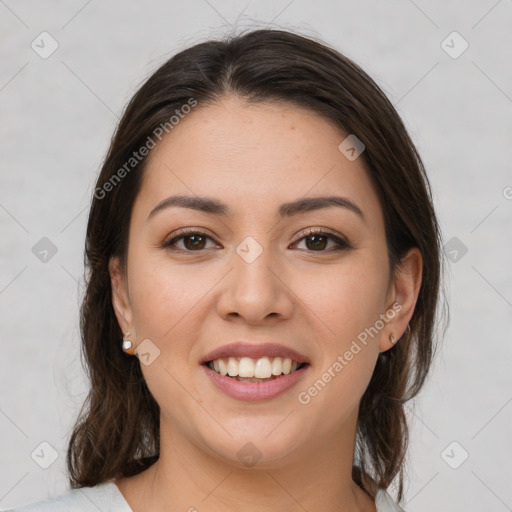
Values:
[(260, 447)]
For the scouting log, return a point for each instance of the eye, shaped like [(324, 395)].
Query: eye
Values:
[(193, 241), (318, 240)]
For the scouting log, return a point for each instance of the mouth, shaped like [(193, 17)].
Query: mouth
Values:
[(254, 372), (248, 369)]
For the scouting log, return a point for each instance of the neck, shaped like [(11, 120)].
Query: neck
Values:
[(187, 478)]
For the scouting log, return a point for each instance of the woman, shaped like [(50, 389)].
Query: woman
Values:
[(263, 276)]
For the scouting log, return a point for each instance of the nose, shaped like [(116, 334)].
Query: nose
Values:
[(256, 291)]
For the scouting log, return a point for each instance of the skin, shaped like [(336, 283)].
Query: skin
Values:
[(254, 158)]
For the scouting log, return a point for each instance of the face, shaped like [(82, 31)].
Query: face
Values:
[(250, 271)]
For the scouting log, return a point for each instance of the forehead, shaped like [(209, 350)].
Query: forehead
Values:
[(255, 156)]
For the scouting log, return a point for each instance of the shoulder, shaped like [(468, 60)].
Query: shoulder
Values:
[(385, 503), (104, 496)]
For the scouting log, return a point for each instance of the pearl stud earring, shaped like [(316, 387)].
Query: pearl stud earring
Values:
[(127, 345)]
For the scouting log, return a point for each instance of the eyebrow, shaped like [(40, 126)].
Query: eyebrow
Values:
[(215, 207)]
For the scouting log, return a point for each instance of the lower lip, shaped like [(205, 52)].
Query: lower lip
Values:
[(254, 391)]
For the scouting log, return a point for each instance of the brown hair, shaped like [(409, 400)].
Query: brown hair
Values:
[(117, 431)]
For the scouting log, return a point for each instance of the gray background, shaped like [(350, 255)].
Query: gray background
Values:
[(59, 113)]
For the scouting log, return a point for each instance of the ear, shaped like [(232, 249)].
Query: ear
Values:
[(402, 297), (120, 299)]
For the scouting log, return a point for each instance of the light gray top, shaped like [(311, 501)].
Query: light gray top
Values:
[(107, 497)]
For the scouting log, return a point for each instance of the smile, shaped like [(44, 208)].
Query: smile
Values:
[(248, 369), (252, 388)]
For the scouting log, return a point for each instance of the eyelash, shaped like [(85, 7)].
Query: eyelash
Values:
[(341, 243)]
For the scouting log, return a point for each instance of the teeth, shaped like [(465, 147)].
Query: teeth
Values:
[(246, 367), (232, 367), (277, 366), (262, 368), (223, 368)]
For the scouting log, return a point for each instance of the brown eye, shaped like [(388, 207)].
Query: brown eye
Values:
[(193, 241), (318, 241)]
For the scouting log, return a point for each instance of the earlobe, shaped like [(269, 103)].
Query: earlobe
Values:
[(404, 291), (120, 300)]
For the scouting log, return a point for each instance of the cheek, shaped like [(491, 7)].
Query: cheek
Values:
[(347, 304), (345, 299), (167, 298), (161, 300), (165, 303)]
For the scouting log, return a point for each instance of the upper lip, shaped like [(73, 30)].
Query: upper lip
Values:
[(255, 351)]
